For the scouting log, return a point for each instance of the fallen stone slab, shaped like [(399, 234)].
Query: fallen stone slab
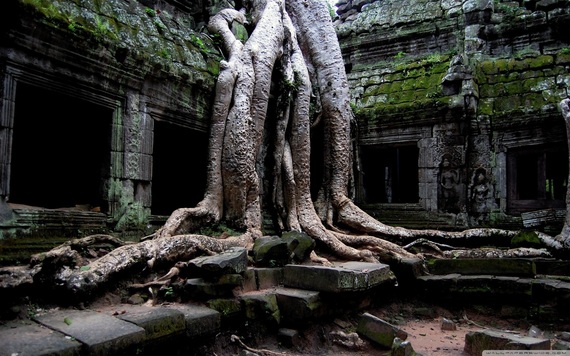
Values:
[(18, 339), (481, 340), (379, 331), (350, 276), (100, 333)]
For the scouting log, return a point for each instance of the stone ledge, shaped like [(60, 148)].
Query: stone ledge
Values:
[(15, 340), (350, 276), (100, 333)]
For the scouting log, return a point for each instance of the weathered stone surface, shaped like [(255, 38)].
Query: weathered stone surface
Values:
[(300, 244), (157, 322), (478, 341), (232, 261), (352, 276), (447, 324), (379, 331), (261, 307), (102, 334), (201, 288), (270, 251), (200, 320), (18, 339), (402, 348), (481, 266), (288, 337), (297, 305), (228, 308)]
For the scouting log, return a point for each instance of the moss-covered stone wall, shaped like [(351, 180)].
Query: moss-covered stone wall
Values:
[(467, 82), (145, 61)]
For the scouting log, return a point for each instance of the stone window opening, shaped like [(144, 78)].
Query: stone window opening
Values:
[(390, 173), (60, 156), (537, 178)]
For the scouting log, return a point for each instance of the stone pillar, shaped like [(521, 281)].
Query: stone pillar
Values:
[(132, 164), (7, 105)]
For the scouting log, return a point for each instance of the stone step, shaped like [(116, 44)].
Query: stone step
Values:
[(345, 277), (522, 267), (542, 298), (478, 266), (129, 330)]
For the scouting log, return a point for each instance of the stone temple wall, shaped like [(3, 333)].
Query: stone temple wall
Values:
[(141, 64), (473, 86)]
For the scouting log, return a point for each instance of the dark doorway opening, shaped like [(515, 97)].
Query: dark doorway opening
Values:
[(60, 150), (390, 174), (537, 177), (180, 160)]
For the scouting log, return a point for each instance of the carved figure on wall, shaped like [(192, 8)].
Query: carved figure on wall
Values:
[(479, 196), (449, 180)]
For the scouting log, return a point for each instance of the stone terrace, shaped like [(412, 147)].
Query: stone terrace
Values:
[(282, 301)]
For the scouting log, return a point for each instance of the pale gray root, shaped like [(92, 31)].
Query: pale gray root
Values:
[(520, 252), (286, 35), (90, 277), (564, 236)]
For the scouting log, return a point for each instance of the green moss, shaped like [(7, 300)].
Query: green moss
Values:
[(513, 88), (526, 239), (563, 57), (539, 61), (485, 107), (507, 103), (488, 68), (225, 306)]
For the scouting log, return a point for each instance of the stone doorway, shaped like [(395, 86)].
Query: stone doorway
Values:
[(390, 173), (60, 151), (180, 157)]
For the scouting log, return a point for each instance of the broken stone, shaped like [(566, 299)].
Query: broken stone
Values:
[(299, 305), (565, 335), (478, 341), (534, 331), (261, 306), (402, 348), (379, 331), (232, 261), (561, 345), (299, 244), (351, 340), (136, 299), (447, 324), (288, 337), (270, 251)]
